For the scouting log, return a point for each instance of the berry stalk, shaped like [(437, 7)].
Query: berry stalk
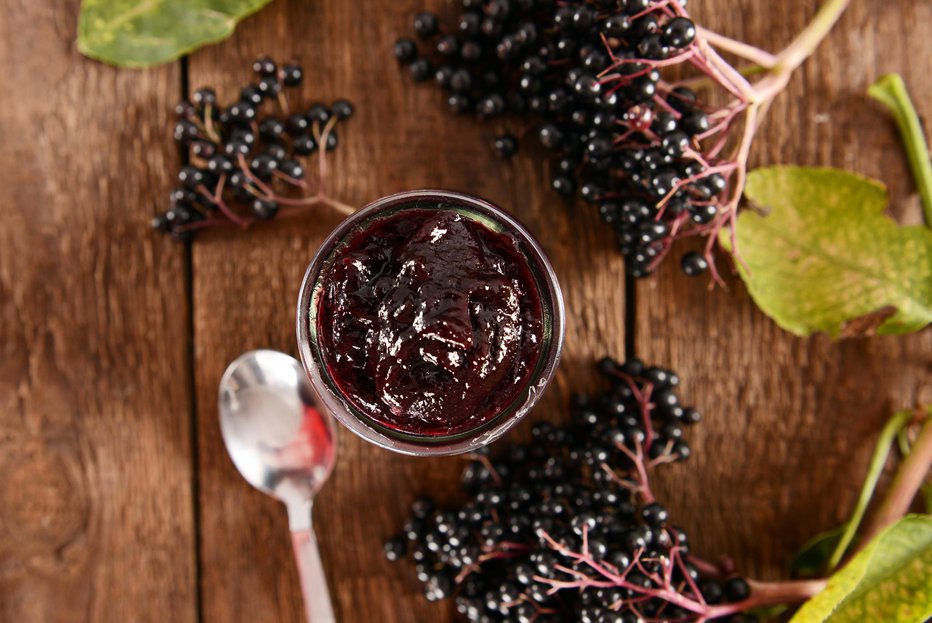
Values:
[(244, 164), (909, 478), (891, 92), (881, 451)]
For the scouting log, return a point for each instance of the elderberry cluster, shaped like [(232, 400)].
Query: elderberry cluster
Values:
[(244, 161), (571, 506), (588, 73)]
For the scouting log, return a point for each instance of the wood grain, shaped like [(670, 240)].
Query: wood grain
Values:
[(246, 286), (790, 423), (96, 509)]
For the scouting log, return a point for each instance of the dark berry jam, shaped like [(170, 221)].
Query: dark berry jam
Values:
[(429, 322)]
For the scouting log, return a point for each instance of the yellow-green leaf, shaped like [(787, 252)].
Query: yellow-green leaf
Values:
[(822, 256), (890, 580), (140, 33)]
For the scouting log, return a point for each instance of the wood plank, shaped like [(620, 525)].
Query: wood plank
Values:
[(96, 512), (790, 422), (245, 286)]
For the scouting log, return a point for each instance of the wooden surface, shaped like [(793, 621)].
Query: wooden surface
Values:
[(118, 502)]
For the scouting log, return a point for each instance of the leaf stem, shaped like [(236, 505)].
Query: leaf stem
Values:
[(881, 451), (890, 90), (810, 37), (909, 478)]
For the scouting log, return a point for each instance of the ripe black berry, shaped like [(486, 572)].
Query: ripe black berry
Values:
[(292, 74), (693, 264), (243, 156), (342, 109), (318, 113), (204, 97), (405, 50), (264, 210), (737, 589), (425, 24), (395, 548), (564, 185), (420, 69), (264, 66), (506, 145), (679, 32)]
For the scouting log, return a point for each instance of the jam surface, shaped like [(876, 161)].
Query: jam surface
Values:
[(429, 322)]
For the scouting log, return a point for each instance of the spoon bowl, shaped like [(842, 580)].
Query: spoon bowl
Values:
[(283, 444)]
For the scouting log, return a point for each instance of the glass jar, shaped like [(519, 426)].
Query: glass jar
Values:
[(529, 391)]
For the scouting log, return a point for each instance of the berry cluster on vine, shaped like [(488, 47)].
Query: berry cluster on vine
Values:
[(245, 163), (591, 78), (566, 528)]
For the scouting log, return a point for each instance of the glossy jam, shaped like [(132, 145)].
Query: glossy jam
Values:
[(429, 322)]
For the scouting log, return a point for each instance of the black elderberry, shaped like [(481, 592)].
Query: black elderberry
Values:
[(271, 129), (655, 515), (471, 51), (276, 151), (425, 24), (220, 165), (737, 589), (693, 264), (242, 112), (444, 76), (304, 144), (192, 177), (395, 548), (297, 124), (550, 136), (291, 168), (679, 32), (405, 50), (185, 131), (264, 166), (420, 69), (469, 23), (459, 103), (318, 113), (448, 45), (264, 66), (264, 209), (491, 105), (269, 86), (564, 185), (703, 214), (251, 95), (342, 109), (695, 122), (292, 74), (506, 145), (204, 97), (185, 109)]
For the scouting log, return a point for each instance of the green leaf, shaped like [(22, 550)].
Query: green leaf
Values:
[(825, 258), (812, 558), (140, 33), (890, 580)]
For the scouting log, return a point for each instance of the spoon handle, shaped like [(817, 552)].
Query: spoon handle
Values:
[(313, 581)]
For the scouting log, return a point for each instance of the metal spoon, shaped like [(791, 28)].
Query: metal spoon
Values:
[(282, 442)]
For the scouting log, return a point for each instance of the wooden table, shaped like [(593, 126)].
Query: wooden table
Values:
[(118, 502)]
